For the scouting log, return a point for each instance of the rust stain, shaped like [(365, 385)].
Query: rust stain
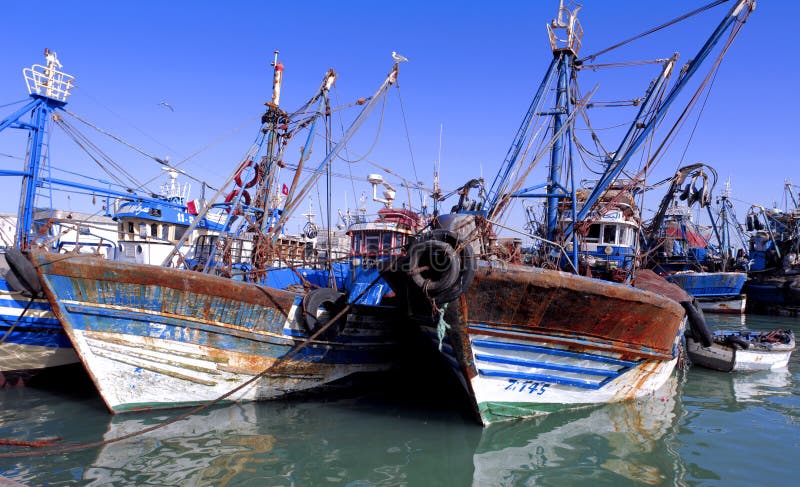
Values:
[(533, 300)]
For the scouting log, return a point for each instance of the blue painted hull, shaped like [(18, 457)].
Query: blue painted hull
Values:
[(709, 284), (153, 337), (779, 294), (30, 342)]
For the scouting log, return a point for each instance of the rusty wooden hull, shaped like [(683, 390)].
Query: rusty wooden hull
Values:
[(153, 337), (526, 341)]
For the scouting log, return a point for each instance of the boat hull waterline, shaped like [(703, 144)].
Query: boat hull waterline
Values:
[(31, 340), (716, 292), (526, 341), (724, 305), (153, 337)]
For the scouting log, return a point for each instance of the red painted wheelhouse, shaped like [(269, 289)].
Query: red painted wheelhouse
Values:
[(386, 235)]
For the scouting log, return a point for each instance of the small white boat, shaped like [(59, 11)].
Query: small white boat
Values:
[(723, 304), (743, 350)]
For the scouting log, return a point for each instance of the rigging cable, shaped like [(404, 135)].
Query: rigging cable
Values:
[(159, 160), (377, 135), (697, 121), (346, 150), (410, 151), (653, 30), (14, 103), (682, 117), (88, 146)]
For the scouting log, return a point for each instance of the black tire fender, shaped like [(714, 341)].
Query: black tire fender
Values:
[(465, 276), (433, 266), (324, 297), (24, 271), (697, 322), (737, 342), (15, 283)]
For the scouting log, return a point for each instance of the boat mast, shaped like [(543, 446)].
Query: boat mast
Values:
[(565, 51), (49, 89), (273, 118), (291, 205), (646, 122)]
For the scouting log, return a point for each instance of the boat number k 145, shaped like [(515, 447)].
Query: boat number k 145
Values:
[(528, 386)]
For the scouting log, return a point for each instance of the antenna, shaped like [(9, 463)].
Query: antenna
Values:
[(439, 158), (436, 194), (277, 79)]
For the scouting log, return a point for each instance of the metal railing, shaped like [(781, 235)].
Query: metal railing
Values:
[(48, 82)]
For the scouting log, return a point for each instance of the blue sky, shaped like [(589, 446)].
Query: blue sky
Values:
[(474, 67)]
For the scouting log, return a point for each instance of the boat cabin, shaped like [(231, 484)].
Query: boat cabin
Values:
[(148, 231), (386, 235)]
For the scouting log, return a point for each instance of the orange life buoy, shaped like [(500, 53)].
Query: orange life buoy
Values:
[(252, 181), (232, 196)]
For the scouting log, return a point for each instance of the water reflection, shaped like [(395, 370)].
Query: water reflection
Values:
[(409, 433), (613, 442), (295, 443), (374, 439), (344, 443)]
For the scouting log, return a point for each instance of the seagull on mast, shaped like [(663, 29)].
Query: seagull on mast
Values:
[(166, 105), (398, 58)]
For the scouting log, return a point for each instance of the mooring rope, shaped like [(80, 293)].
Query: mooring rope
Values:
[(27, 307)]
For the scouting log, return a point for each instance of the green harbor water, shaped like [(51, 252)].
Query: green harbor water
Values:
[(702, 428)]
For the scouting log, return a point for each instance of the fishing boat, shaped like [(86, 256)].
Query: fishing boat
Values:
[(129, 226), (680, 250), (733, 351), (527, 340), (162, 337), (773, 284)]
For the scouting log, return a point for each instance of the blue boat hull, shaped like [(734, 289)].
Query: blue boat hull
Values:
[(709, 284), (779, 294), (31, 337), (153, 337)]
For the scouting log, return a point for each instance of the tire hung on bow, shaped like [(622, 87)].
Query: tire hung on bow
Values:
[(441, 267), (697, 323), (319, 306), (22, 276)]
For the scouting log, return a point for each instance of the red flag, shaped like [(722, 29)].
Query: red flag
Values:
[(193, 207), (285, 189)]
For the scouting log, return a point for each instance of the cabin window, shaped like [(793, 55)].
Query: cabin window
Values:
[(236, 251), (399, 243), (387, 243), (84, 230), (130, 228), (143, 230), (154, 229), (593, 235), (609, 234), (357, 243), (373, 244), (165, 232), (625, 237), (179, 231)]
